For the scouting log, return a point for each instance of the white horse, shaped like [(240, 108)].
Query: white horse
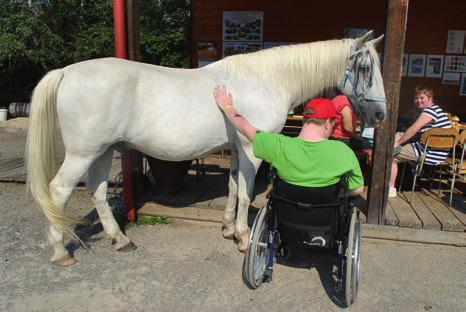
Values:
[(170, 114)]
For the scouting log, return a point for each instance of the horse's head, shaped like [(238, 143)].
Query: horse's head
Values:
[(362, 81)]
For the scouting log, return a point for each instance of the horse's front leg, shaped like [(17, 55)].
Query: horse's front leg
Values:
[(248, 165), (230, 209)]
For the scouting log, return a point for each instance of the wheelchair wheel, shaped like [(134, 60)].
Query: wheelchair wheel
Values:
[(351, 266), (257, 255)]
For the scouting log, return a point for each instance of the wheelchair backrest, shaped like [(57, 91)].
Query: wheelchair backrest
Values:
[(309, 195), (305, 213)]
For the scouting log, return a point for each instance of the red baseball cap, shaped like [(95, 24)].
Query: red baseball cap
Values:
[(320, 109)]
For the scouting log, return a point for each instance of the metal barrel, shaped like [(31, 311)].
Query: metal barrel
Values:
[(19, 109)]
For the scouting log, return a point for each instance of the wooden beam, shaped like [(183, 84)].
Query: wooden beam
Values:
[(132, 160), (132, 25), (397, 15)]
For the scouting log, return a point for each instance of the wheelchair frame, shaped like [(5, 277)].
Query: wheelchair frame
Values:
[(265, 244)]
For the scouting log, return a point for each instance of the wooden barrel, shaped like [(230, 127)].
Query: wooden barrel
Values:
[(19, 109)]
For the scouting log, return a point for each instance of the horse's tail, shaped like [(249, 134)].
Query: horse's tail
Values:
[(41, 150)]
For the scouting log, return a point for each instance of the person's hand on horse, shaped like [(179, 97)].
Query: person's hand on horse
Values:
[(223, 98)]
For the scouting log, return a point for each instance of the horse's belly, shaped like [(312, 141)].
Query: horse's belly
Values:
[(176, 147)]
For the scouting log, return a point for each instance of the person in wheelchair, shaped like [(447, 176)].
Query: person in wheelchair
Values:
[(308, 205), (310, 159)]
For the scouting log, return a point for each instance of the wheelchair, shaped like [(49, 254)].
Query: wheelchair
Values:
[(306, 217)]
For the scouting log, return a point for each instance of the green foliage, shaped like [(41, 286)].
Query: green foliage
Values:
[(86, 27), (164, 32), (149, 220), (37, 36)]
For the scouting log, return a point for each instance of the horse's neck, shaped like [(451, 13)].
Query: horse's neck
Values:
[(297, 72)]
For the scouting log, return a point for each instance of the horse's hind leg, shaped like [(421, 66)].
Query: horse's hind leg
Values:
[(229, 214), (61, 187), (97, 184)]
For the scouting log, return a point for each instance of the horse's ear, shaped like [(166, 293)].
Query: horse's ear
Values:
[(359, 42), (376, 41)]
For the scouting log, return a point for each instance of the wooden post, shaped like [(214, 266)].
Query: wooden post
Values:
[(132, 160), (132, 17), (395, 30)]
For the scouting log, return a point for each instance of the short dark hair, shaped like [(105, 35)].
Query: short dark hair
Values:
[(424, 89), (317, 121)]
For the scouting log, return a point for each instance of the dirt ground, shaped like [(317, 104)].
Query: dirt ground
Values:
[(188, 266)]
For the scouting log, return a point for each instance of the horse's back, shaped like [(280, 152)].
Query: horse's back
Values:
[(154, 108)]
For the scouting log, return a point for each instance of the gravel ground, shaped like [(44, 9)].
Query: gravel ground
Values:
[(188, 266)]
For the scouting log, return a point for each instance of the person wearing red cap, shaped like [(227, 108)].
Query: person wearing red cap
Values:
[(310, 159)]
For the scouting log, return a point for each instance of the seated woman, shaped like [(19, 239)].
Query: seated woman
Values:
[(345, 122), (432, 116)]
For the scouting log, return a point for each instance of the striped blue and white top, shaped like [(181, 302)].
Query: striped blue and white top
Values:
[(439, 120)]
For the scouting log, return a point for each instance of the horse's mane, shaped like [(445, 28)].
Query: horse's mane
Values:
[(298, 71)]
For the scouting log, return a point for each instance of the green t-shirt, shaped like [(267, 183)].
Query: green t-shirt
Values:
[(311, 164)]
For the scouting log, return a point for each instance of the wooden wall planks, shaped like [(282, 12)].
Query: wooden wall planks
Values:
[(306, 21)]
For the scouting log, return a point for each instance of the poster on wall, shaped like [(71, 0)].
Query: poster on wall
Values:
[(232, 48), (417, 63), (404, 69), (450, 78), (206, 53), (357, 32), (455, 63), (242, 25), (434, 66), (267, 45), (463, 85), (455, 41)]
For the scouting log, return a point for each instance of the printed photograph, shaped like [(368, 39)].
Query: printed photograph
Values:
[(232, 48), (404, 69), (434, 66), (463, 85), (206, 53), (274, 44), (416, 65), (242, 26)]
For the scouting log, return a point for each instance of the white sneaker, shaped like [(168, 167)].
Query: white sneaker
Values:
[(392, 192)]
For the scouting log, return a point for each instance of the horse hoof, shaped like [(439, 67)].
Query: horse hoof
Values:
[(243, 241), (242, 247), (228, 232), (64, 261), (127, 247)]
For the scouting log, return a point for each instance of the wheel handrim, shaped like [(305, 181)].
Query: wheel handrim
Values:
[(258, 253), (261, 255), (355, 262), (352, 260)]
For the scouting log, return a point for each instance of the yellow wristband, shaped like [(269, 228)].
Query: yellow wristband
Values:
[(226, 108)]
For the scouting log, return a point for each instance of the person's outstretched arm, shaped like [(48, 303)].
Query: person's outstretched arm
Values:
[(422, 120), (224, 101)]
